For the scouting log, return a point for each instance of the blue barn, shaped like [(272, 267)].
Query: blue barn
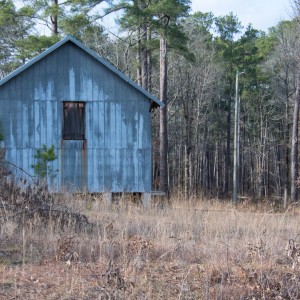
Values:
[(97, 119)]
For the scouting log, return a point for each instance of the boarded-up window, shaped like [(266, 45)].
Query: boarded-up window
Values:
[(74, 121)]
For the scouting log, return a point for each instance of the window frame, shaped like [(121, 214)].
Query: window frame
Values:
[(74, 114)]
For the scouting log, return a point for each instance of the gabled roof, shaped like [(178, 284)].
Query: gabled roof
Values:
[(155, 101)]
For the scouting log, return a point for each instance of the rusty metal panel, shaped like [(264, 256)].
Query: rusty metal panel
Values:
[(99, 160), (118, 185), (116, 155), (147, 169), (97, 79), (91, 126), (122, 88), (18, 124), (37, 125), (95, 120), (24, 142), (107, 125), (113, 173), (25, 159), (145, 125), (86, 79), (141, 169), (5, 92), (31, 128), (4, 123), (91, 175), (100, 121), (119, 126), (124, 169), (19, 156), (61, 81), (11, 123), (74, 74), (43, 124), (27, 77), (57, 114), (108, 166), (130, 170), (111, 130), (73, 167), (15, 87), (49, 129), (124, 138), (129, 129)]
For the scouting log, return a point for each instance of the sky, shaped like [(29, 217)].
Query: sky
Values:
[(262, 14)]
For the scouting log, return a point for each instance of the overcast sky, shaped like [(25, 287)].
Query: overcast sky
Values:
[(262, 14)]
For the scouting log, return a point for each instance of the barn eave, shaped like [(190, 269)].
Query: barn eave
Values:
[(155, 102)]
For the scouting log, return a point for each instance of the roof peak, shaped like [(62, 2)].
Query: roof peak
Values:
[(155, 100)]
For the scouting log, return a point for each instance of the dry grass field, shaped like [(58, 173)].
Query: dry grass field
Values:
[(196, 249)]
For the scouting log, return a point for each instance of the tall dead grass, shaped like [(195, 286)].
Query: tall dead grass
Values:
[(195, 249)]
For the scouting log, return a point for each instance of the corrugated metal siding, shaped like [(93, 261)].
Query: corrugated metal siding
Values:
[(117, 151)]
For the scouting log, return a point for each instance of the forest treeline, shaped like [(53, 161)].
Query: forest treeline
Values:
[(191, 61)]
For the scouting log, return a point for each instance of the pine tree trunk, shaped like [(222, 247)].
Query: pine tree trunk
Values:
[(228, 151), (149, 61), (139, 59), (143, 57), (286, 174), (163, 131), (294, 150), (54, 18)]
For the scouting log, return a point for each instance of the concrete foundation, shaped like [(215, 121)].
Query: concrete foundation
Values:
[(107, 198), (146, 199)]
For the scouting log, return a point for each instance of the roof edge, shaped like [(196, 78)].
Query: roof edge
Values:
[(68, 38), (33, 60)]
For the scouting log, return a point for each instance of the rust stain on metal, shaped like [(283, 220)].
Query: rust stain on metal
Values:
[(84, 163), (61, 150)]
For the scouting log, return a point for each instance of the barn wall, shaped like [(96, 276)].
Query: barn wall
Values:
[(116, 155)]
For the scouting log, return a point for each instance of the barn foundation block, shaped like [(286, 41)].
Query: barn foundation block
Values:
[(146, 199), (107, 198)]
